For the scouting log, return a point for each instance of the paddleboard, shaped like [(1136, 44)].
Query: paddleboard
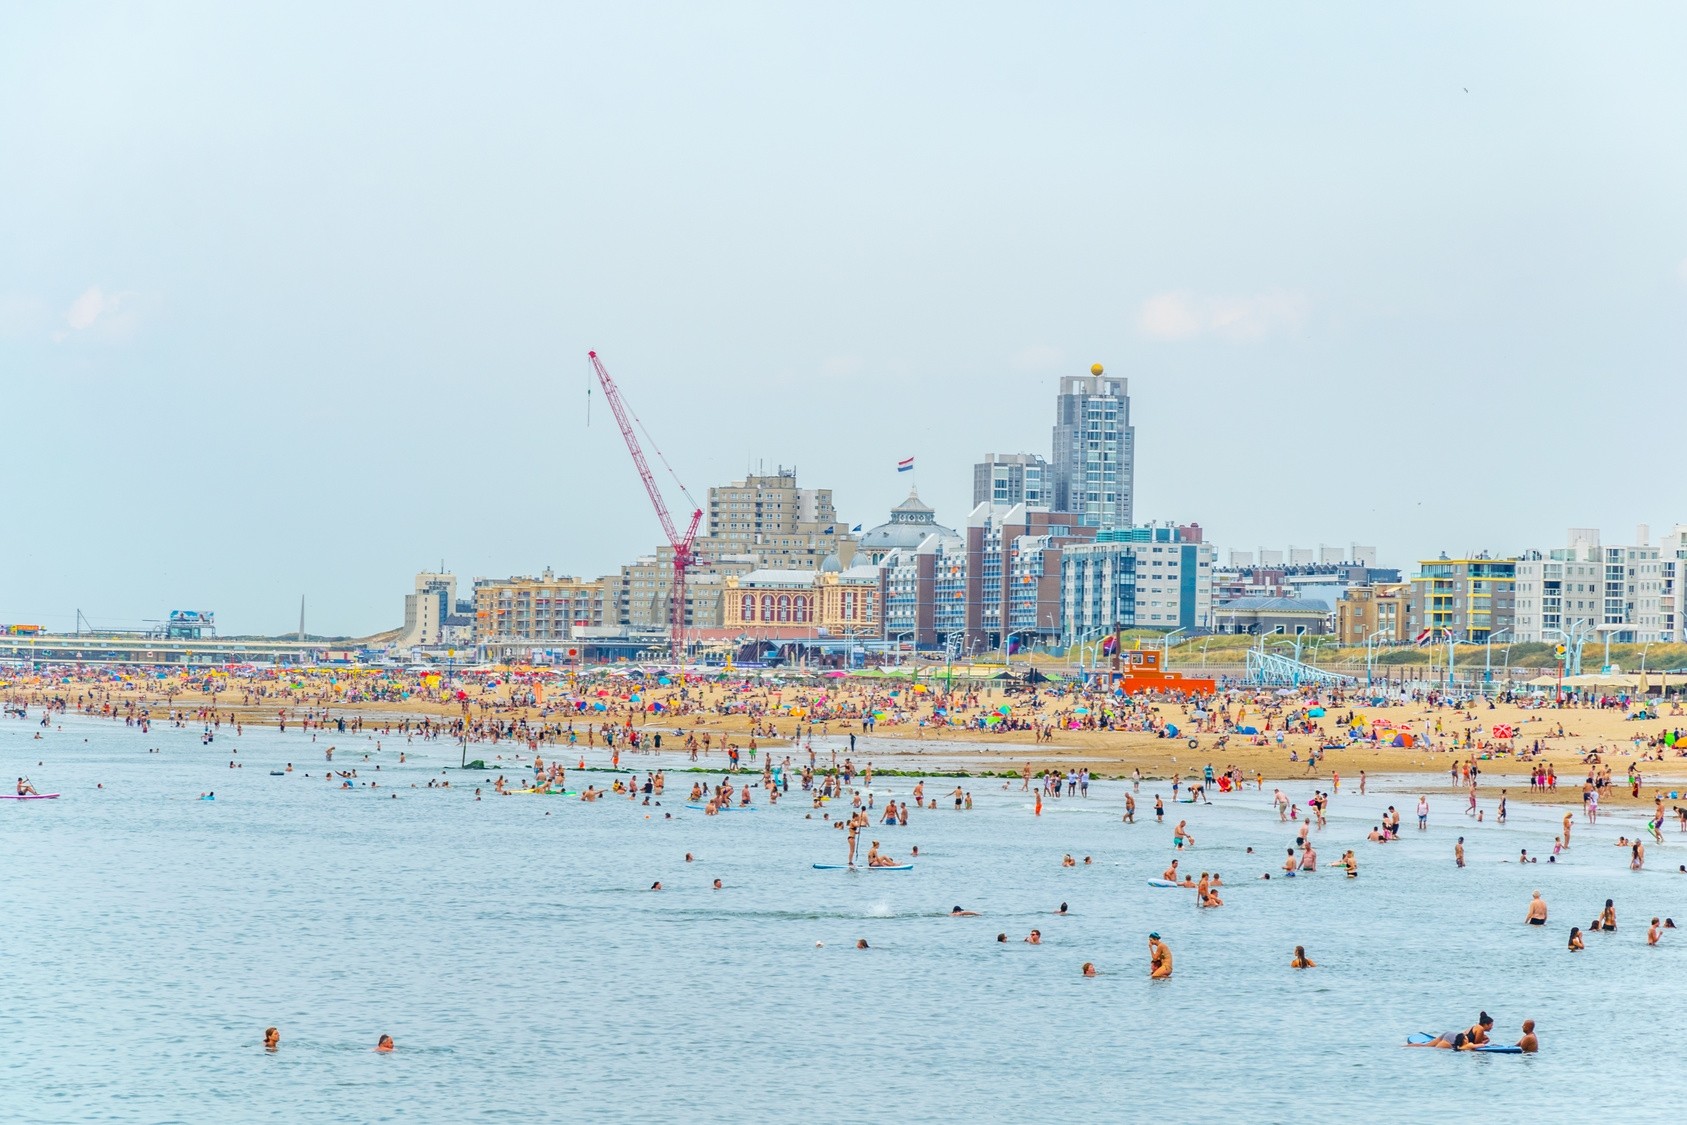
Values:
[(29, 796), (862, 867), (1422, 1037)]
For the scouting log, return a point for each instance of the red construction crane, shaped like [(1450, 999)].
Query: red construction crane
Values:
[(684, 559)]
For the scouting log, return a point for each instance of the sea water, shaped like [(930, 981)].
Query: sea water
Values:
[(513, 950)]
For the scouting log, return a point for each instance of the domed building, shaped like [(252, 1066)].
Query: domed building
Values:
[(909, 524)]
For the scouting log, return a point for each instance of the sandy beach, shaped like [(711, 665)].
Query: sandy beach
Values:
[(982, 728)]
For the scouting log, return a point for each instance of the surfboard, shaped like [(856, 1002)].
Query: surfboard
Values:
[(1160, 883), (862, 867), (29, 796)]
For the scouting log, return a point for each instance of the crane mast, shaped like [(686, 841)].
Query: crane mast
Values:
[(684, 557)]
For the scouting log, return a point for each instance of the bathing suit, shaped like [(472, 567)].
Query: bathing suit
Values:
[(1537, 921)]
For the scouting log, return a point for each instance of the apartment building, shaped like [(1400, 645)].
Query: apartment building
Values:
[(1157, 577), (1473, 598)]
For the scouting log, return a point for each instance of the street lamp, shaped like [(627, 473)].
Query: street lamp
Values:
[(1488, 662), (1007, 646), (1370, 656), (1166, 648), (1092, 635)]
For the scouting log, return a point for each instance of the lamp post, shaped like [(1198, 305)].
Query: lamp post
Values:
[(1166, 648), (1370, 656), (1007, 647), (1488, 661)]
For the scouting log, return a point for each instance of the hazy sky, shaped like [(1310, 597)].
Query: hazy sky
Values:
[(296, 299)]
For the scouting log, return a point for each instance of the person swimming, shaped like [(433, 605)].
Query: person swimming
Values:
[(1529, 1044), (272, 1038), (1301, 960), (1159, 958), (384, 1044)]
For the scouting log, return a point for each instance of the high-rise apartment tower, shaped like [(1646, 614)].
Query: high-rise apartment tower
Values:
[(1094, 450)]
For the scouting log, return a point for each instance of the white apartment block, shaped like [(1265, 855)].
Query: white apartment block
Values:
[(1153, 577), (1615, 590)]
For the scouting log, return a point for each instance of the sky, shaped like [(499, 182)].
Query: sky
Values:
[(295, 299)]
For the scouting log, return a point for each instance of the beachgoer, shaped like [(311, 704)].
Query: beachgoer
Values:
[(1537, 911), (1529, 1044), (1159, 958), (1301, 960), (272, 1038), (384, 1043)]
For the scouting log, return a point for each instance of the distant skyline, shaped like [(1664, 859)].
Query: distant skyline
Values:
[(296, 299)]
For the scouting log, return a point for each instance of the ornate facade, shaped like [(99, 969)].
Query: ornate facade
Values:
[(832, 602)]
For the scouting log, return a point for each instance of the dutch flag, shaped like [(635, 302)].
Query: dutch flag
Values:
[(905, 466)]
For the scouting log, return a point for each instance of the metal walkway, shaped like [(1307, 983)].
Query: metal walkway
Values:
[(1270, 669)]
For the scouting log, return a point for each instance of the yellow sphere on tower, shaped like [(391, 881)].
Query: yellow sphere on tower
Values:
[(1095, 369)]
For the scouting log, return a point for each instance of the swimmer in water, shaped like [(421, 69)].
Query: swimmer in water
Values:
[(1576, 943), (1159, 958), (1035, 937), (272, 1038), (384, 1044), (1537, 911), (1301, 960), (1451, 1040), (957, 912), (1089, 968), (1529, 1044)]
